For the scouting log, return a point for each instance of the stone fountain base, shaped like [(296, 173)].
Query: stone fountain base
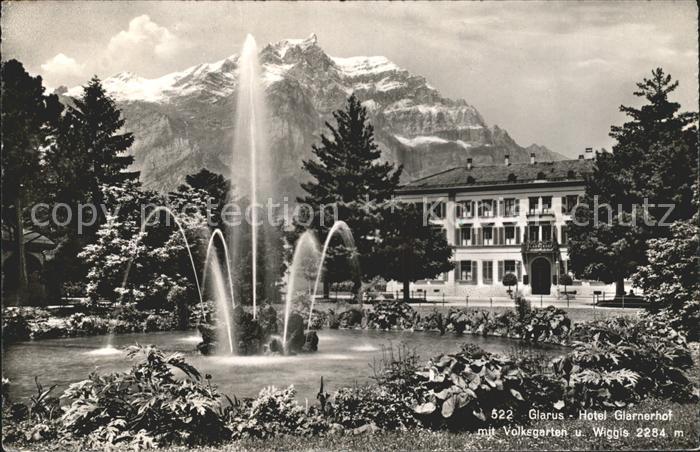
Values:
[(259, 336)]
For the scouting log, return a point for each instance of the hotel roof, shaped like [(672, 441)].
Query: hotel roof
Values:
[(512, 174)]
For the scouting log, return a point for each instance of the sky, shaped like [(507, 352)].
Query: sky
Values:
[(551, 73)]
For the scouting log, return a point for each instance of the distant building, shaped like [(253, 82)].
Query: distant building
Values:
[(36, 247), (509, 218)]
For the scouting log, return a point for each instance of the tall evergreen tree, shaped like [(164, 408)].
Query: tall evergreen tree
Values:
[(28, 121), (99, 124), (347, 175), (653, 163), (410, 249)]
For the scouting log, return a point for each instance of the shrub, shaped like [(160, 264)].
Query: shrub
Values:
[(623, 360), (510, 280), (546, 325), (391, 315), (461, 391), (147, 404), (371, 405), (274, 412)]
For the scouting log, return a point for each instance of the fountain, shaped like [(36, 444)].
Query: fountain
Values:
[(254, 176), (343, 229), (234, 330), (306, 246)]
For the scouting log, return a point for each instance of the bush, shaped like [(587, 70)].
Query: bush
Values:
[(546, 325), (146, 405), (461, 391), (274, 412), (388, 315), (371, 405)]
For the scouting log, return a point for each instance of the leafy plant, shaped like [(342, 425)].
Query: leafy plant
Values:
[(274, 412), (462, 390), (148, 401)]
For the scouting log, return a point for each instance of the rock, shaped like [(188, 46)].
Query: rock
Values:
[(295, 334), (350, 318), (310, 342)]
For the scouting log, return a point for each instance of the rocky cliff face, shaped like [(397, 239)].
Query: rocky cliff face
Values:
[(184, 121)]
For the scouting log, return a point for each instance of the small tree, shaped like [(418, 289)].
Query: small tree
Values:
[(566, 280), (411, 249), (510, 280)]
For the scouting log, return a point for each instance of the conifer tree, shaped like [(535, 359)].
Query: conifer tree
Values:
[(347, 175), (99, 136), (653, 163), (28, 120)]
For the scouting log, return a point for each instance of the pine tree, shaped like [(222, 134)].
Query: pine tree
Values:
[(410, 249), (346, 174), (99, 122), (28, 120), (653, 162)]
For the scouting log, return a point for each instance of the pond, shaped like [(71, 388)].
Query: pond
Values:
[(345, 358)]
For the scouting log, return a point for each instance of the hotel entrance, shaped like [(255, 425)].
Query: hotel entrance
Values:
[(541, 276)]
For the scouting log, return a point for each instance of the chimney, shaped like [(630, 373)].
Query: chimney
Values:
[(580, 156), (507, 160), (589, 153), (469, 163), (532, 158)]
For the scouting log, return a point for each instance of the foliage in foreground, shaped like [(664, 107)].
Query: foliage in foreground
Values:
[(616, 363)]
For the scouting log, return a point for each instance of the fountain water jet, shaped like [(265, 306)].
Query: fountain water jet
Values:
[(207, 257), (306, 243), (250, 134), (344, 230)]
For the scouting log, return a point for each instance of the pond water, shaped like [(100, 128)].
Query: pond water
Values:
[(345, 358)]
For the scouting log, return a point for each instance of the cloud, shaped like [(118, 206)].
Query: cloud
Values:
[(144, 38), (62, 65)]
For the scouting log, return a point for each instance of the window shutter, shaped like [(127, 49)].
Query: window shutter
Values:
[(472, 234), (517, 207), (519, 270), (503, 235), (480, 237), (500, 271), (517, 235), (500, 210), (474, 271)]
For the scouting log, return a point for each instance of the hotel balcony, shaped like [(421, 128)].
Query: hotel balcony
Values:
[(540, 246)]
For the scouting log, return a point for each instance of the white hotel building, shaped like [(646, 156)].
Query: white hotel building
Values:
[(508, 218)]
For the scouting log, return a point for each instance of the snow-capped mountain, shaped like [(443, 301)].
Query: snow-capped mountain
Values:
[(183, 121)]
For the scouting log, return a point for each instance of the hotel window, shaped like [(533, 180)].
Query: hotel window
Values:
[(511, 234), (465, 209), (546, 203), (533, 233), (467, 271), (546, 232), (511, 207), (533, 204), (488, 235), (488, 272), (487, 208), (465, 236), (505, 267), (568, 203), (437, 210)]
